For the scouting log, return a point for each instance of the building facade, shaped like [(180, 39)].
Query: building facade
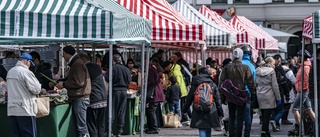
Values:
[(283, 15)]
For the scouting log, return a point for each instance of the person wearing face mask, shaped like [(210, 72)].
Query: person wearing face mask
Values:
[(268, 94)]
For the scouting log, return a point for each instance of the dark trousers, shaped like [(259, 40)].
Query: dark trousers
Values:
[(286, 111), (119, 101), (266, 115), (96, 121), (152, 121), (235, 111), (185, 116), (23, 126)]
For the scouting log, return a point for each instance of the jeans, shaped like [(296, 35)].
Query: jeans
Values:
[(204, 132), (96, 121), (152, 121), (277, 115), (23, 126), (233, 110), (79, 108), (266, 114), (175, 108), (247, 118)]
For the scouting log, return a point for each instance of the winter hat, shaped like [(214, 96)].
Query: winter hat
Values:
[(238, 53), (69, 49), (226, 62)]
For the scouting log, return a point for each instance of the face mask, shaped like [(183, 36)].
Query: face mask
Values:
[(130, 65)]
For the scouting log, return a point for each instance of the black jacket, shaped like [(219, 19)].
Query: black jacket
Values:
[(43, 69), (121, 77), (184, 63), (173, 93), (98, 88), (3, 73), (311, 80), (202, 119)]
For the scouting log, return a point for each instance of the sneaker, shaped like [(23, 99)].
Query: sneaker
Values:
[(286, 122), (277, 128), (273, 125)]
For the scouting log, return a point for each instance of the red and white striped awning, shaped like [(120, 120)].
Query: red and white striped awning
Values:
[(167, 24), (242, 36), (263, 40), (307, 27)]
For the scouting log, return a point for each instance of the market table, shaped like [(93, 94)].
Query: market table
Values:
[(59, 123)]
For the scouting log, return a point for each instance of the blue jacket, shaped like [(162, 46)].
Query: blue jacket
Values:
[(246, 61)]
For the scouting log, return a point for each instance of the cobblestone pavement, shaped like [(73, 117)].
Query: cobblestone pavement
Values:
[(189, 132)]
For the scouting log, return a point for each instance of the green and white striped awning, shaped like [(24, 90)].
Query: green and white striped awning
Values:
[(137, 24), (32, 21), (316, 27)]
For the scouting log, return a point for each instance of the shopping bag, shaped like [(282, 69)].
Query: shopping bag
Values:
[(43, 106), (171, 120)]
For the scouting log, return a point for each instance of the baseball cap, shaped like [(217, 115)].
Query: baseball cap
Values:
[(28, 57)]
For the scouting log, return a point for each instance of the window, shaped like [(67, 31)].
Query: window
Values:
[(219, 1), (246, 1)]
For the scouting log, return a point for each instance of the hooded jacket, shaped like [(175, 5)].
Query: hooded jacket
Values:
[(175, 70), (247, 61), (202, 119), (23, 87), (154, 81), (98, 89), (267, 88), (307, 67)]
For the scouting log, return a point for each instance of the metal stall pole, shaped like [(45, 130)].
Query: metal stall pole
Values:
[(142, 91), (146, 77), (62, 61), (110, 90), (77, 47), (94, 54), (203, 56), (315, 90), (302, 82), (197, 66)]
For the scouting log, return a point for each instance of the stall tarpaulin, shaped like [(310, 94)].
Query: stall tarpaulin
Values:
[(64, 21), (168, 26), (215, 35), (190, 55)]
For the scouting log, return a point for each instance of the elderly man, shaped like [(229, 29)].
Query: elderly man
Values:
[(23, 87), (78, 85), (121, 77)]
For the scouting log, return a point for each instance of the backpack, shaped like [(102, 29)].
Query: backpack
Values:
[(284, 83), (290, 86), (203, 98)]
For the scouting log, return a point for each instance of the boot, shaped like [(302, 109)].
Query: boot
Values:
[(294, 131), (264, 134), (268, 134)]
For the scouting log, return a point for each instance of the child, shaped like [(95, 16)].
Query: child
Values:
[(173, 96)]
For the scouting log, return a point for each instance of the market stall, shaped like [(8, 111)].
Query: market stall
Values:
[(48, 21)]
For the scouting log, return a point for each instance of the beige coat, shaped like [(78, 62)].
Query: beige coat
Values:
[(267, 88)]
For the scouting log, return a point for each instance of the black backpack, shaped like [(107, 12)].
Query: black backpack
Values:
[(283, 82)]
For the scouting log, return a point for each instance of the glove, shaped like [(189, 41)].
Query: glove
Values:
[(278, 102)]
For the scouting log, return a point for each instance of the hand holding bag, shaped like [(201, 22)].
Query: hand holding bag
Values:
[(43, 106), (171, 120)]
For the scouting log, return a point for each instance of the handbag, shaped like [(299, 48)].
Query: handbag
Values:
[(43, 106), (150, 92), (171, 120), (232, 93)]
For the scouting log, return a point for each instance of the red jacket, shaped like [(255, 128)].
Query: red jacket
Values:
[(307, 66)]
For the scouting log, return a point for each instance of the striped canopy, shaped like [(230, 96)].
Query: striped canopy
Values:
[(168, 26), (316, 27), (307, 27), (26, 21), (215, 35), (264, 41)]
